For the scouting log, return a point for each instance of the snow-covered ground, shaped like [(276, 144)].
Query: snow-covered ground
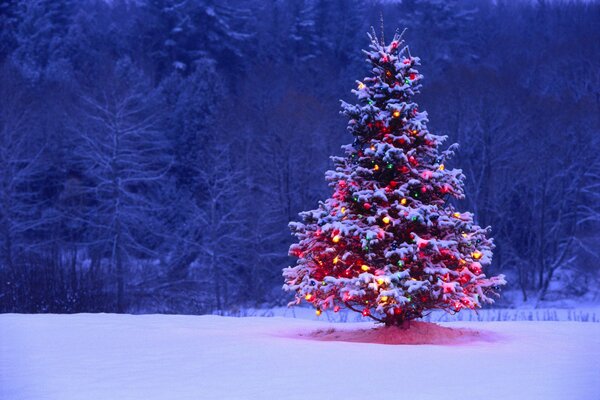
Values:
[(590, 313), (106, 357)]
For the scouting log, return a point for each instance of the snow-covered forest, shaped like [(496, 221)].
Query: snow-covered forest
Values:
[(153, 152)]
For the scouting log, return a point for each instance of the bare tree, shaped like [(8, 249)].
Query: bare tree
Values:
[(21, 171), (125, 160)]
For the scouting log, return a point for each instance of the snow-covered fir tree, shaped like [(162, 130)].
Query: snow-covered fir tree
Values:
[(387, 243)]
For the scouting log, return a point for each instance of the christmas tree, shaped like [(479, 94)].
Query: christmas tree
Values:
[(387, 243)]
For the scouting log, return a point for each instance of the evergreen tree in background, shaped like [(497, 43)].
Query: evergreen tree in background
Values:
[(387, 244)]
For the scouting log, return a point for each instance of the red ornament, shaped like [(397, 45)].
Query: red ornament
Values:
[(336, 308), (366, 312), (413, 77), (406, 61), (367, 206)]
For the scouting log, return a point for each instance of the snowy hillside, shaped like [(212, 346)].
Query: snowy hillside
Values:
[(105, 356)]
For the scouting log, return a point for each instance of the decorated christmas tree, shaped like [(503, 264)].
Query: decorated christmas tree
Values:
[(388, 243)]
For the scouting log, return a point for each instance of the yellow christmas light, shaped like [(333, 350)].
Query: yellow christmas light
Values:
[(477, 255), (318, 312), (442, 167), (336, 259), (380, 281), (403, 202), (308, 296), (364, 267), (336, 238), (343, 210), (386, 220), (384, 298), (361, 86), (456, 215), (376, 167), (396, 114)]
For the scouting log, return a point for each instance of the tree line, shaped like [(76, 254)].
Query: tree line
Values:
[(153, 152)]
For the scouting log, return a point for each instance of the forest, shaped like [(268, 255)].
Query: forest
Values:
[(153, 152)]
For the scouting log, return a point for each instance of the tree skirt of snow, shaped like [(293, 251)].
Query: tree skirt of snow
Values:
[(105, 357)]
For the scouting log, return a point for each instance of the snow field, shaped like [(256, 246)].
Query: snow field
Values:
[(151, 357)]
